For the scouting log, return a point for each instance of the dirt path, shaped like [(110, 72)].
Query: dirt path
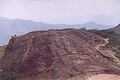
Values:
[(99, 45), (107, 52), (104, 77)]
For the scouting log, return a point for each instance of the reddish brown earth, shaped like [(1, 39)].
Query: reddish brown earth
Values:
[(104, 77), (55, 54)]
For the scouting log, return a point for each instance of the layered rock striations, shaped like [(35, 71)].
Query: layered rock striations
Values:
[(55, 54)]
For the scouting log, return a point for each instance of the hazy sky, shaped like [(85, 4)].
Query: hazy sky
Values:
[(52, 11)]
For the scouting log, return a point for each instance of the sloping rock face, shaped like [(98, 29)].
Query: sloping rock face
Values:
[(55, 54)]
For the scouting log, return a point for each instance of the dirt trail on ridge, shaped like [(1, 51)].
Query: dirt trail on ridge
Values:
[(107, 52)]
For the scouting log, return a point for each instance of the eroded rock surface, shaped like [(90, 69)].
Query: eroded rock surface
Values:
[(55, 54)]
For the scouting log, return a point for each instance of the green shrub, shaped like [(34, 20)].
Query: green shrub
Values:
[(103, 33)]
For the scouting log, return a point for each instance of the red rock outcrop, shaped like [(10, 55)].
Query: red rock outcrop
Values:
[(55, 54)]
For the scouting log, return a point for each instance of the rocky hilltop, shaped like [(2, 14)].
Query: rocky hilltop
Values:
[(55, 54)]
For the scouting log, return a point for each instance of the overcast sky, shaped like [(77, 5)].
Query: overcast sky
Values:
[(52, 11)]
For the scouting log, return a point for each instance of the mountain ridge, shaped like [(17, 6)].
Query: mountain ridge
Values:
[(116, 29), (9, 27)]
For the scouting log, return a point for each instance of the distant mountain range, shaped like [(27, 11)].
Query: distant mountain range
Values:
[(10, 27), (111, 19)]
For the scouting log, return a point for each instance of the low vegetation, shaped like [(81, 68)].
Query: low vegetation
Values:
[(115, 42), (9, 76), (103, 33), (114, 39), (2, 49)]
